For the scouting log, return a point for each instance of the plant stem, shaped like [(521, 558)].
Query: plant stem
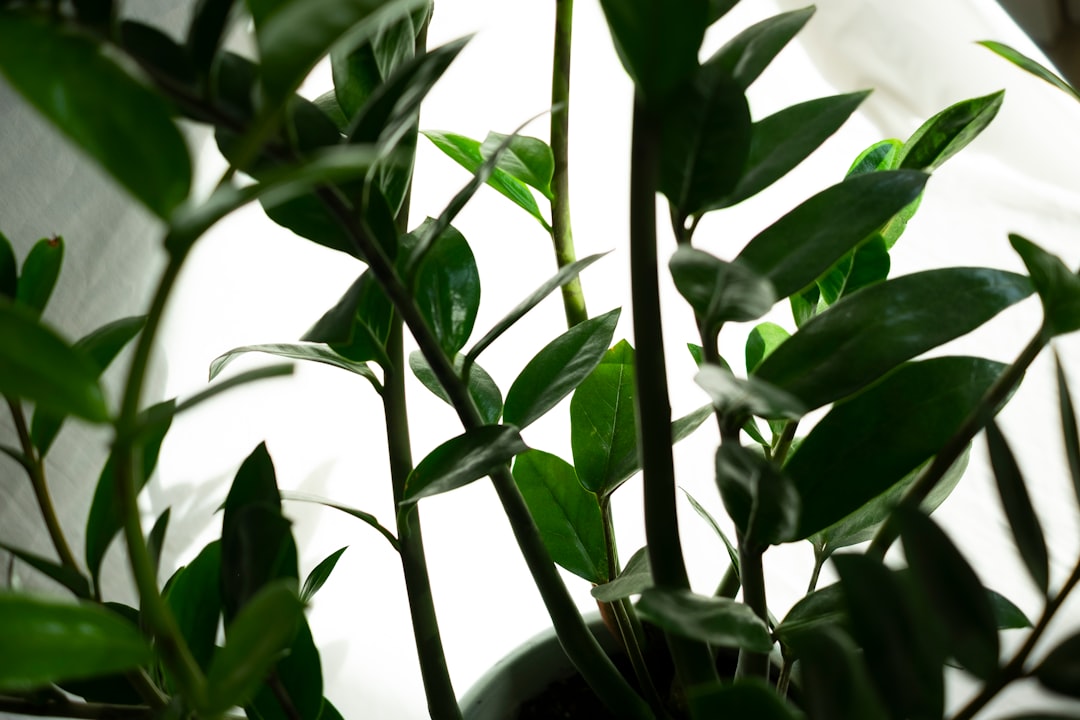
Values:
[(89, 711), (729, 584), (561, 235), (820, 556), (693, 660), (998, 393), (752, 572)]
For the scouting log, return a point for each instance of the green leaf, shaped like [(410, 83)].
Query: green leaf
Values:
[(958, 602), (602, 424), (298, 676), (65, 76), (194, 596), (527, 159), (359, 70), (209, 20), (567, 515), (761, 501), (949, 132), (761, 342), (482, 388), (795, 250), (317, 577), (882, 155), (781, 141), (299, 351), (106, 519), (328, 104), (732, 551), (1060, 670), (68, 577), (1068, 426), (46, 641), (904, 663), (1058, 287), (461, 460), (40, 270), (719, 291), (155, 541), (9, 269), (259, 636), (681, 428), (37, 365), (718, 621), (358, 514), (1007, 615), (1026, 529), (446, 288), (735, 397), (1031, 66), (820, 609), (720, 8), (559, 368), (357, 326), (746, 55), (101, 346), (835, 684), (865, 444), (635, 579), (746, 698), (657, 43), (157, 53), (869, 333)]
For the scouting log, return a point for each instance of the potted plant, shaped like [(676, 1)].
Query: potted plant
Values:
[(337, 170)]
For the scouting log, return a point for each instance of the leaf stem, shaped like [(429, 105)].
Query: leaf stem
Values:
[(752, 572), (68, 709)]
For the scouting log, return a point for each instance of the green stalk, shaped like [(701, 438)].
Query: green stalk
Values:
[(561, 235), (693, 660), (752, 572)]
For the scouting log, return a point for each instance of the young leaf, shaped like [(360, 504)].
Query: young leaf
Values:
[(747, 698), (745, 56), (65, 76), (949, 132), (9, 269), (68, 577), (567, 515), (1068, 426), (796, 249), (317, 577), (194, 596), (761, 342), (526, 158), (869, 333), (1026, 529), (558, 368), (1060, 669), (717, 621), (299, 351), (1031, 66), (1058, 287), (635, 578), (463, 459), (482, 388), (446, 288), (719, 291), (40, 270), (206, 32), (46, 641), (602, 424)]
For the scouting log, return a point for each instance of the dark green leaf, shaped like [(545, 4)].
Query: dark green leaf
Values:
[(635, 578), (357, 326), (482, 388), (112, 689), (299, 351), (1031, 66), (957, 599), (746, 55), (40, 270), (65, 76), (359, 70), (735, 397), (761, 501), (781, 141), (1006, 614), (259, 636), (9, 269), (298, 676), (602, 424), (317, 577), (719, 291), (747, 698), (1058, 287), (155, 541), (882, 155), (194, 596), (45, 641), (681, 428), (463, 459), (358, 514), (68, 577), (820, 609), (717, 621), (867, 334), (835, 684), (328, 104), (720, 8), (1068, 426), (526, 158), (869, 442), (446, 288), (1060, 669), (157, 53), (567, 515), (761, 342), (206, 32), (795, 250), (949, 132), (1026, 529), (904, 663), (657, 42), (559, 368)]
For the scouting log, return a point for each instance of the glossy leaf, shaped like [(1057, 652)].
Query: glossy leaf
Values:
[(835, 684), (319, 575), (903, 660), (105, 519), (194, 596), (865, 335), (558, 368), (101, 346), (719, 291), (68, 577), (634, 579), (864, 445), (954, 593), (358, 70), (297, 675), (781, 141), (1035, 68), (1060, 669), (1068, 426), (446, 288), (259, 636), (1058, 287), (623, 468), (9, 269), (567, 515), (131, 137), (299, 351), (40, 270), (761, 342), (46, 641), (35, 364), (747, 55), (1026, 529), (482, 388), (657, 43), (820, 609), (761, 501), (209, 22), (602, 424), (718, 621), (736, 397), (795, 250), (949, 132), (528, 159), (461, 460), (747, 698), (357, 326)]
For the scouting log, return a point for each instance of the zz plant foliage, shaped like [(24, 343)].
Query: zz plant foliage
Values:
[(228, 630)]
